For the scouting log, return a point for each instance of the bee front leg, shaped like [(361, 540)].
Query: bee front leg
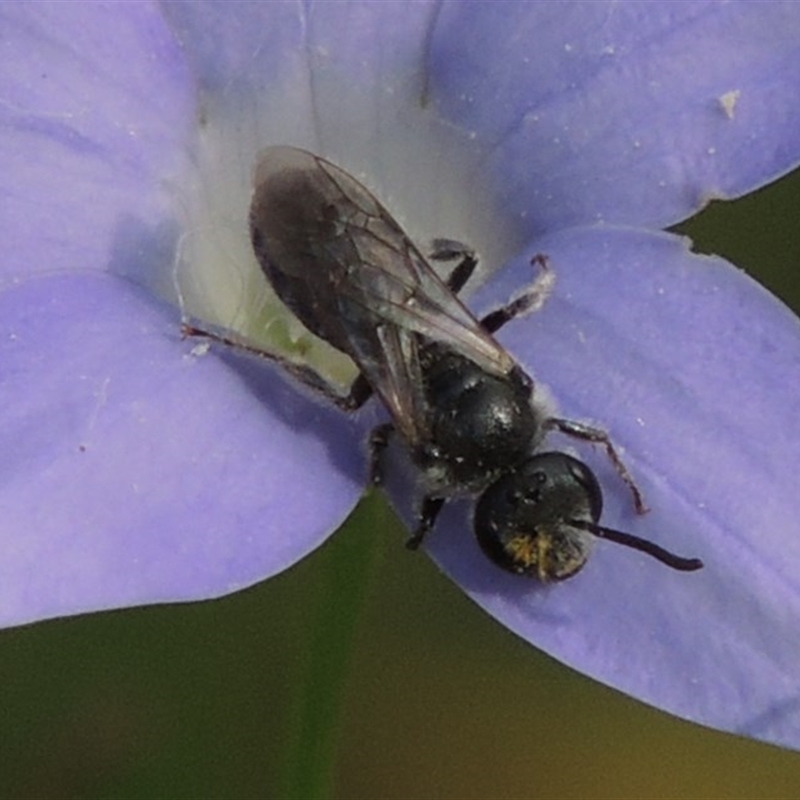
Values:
[(587, 433)]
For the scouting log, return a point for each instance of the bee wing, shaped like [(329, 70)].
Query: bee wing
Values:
[(399, 284), (345, 267), (396, 301), (404, 290), (397, 376)]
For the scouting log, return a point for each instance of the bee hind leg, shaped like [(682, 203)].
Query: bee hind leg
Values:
[(449, 250), (360, 390)]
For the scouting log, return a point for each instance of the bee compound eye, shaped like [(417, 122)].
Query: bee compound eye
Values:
[(524, 521)]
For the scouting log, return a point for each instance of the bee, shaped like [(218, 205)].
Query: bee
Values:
[(465, 411)]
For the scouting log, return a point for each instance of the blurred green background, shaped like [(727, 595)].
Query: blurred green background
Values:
[(195, 701)]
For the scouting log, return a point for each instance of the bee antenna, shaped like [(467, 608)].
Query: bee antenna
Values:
[(629, 540)]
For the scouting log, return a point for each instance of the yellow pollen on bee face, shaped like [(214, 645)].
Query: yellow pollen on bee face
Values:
[(531, 550), (523, 550)]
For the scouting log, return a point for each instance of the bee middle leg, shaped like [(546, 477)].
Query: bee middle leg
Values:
[(431, 506), (378, 442), (531, 300)]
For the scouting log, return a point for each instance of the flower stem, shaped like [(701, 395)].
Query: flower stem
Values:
[(319, 693)]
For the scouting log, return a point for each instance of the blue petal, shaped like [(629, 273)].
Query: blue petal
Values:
[(692, 368), (136, 472), (365, 42), (630, 113), (96, 110)]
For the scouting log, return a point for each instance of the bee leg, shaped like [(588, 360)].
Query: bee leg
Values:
[(431, 506), (597, 436), (532, 300), (360, 390), (448, 250), (378, 442)]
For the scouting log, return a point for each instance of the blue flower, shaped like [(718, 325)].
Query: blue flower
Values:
[(136, 472)]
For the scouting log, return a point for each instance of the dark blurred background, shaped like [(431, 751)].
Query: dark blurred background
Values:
[(441, 702)]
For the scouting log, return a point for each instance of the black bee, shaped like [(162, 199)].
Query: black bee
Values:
[(464, 409)]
